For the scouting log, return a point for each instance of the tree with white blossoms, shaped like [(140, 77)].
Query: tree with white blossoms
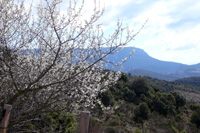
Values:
[(53, 60)]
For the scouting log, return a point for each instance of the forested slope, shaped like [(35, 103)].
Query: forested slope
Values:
[(139, 104)]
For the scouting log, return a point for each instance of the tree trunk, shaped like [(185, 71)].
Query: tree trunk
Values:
[(5, 119)]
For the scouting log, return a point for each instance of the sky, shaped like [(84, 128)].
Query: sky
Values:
[(172, 32)]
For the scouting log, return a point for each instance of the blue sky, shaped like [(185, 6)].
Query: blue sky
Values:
[(172, 32)]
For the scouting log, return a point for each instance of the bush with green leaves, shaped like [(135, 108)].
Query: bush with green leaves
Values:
[(113, 122), (195, 118), (139, 85), (194, 106), (107, 98), (180, 100), (142, 112), (115, 129), (161, 102), (177, 131), (51, 123), (128, 95)]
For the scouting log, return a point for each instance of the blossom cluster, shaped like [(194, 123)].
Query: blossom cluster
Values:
[(52, 61)]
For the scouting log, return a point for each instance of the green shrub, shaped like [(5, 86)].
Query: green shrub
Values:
[(116, 129), (128, 95), (184, 131), (60, 122), (113, 122), (175, 129), (194, 106), (111, 129), (137, 131), (107, 98), (94, 122), (180, 100), (139, 85), (195, 118), (178, 117), (142, 112)]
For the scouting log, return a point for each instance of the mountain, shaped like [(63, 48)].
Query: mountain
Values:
[(142, 61)]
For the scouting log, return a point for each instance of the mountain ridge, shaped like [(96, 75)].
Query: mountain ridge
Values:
[(143, 61)]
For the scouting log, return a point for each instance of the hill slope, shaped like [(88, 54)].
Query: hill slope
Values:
[(194, 81), (142, 72), (136, 104)]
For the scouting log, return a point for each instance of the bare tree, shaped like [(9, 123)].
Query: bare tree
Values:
[(53, 61)]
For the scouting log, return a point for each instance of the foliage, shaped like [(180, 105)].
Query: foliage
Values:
[(163, 113), (160, 102), (123, 78), (51, 122), (115, 129), (139, 85), (95, 122), (195, 118), (107, 98), (142, 112), (137, 131), (194, 106), (177, 131), (60, 122), (113, 122), (180, 100), (194, 81), (128, 95)]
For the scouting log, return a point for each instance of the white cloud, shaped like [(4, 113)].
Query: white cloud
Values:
[(180, 43)]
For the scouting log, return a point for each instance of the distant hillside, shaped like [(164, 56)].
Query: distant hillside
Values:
[(168, 77), (188, 87), (141, 72), (191, 72), (141, 60), (194, 81)]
